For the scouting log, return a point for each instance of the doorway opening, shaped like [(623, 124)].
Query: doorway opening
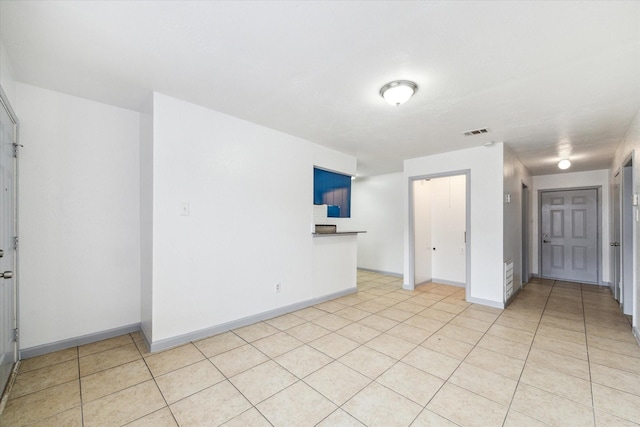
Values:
[(525, 235), (439, 229), (626, 237)]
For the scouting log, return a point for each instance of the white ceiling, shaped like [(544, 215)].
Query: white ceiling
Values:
[(550, 79)]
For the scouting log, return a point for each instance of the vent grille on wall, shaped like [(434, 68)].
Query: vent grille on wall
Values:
[(475, 132), (508, 280)]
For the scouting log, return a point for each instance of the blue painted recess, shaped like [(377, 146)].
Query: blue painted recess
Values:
[(333, 189)]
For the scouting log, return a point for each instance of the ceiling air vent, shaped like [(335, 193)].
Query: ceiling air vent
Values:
[(475, 132)]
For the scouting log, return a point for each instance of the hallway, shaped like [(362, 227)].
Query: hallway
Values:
[(561, 354)]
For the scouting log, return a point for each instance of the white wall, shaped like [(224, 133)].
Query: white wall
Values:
[(376, 207), (250, 193), (486, 232), (448, 225), (597, 178), (630, 146), (515, 175), (423, 248), (79, 216), (6, 76), (146, 219)]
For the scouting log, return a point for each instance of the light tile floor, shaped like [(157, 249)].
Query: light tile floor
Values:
[(561, 354)]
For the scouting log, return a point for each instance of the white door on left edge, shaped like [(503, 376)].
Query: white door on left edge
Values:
[(8, 343)]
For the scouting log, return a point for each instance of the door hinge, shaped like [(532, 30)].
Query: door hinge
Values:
[(15, 243), (16, 334), (15, 149)]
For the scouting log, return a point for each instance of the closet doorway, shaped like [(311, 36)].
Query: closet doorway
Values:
[(440, 236)]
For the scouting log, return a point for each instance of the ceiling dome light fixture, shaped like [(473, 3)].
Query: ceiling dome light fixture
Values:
[(564, 164), (398, 91)]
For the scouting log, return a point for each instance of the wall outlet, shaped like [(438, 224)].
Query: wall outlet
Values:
[(278, 287), (185, 209)]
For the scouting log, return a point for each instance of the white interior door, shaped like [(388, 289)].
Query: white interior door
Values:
[(569, 237), (615, 243), (8, 343)]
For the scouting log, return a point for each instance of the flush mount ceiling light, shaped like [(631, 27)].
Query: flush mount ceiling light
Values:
[(398, 92), (564, 164)]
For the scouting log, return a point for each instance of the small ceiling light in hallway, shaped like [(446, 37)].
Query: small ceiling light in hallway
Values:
[(564, 164), (398, 91)]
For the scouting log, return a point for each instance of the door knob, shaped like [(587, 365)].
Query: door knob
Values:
[(1, 253), (6, 275), (546, 241)]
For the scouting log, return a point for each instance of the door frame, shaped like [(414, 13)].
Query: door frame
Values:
[(411, 280), (598, 189), (525, 259), (4, 103)]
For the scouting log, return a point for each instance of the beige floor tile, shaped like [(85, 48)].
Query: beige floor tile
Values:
[(69, 418), (615, 402), (409, 333), (474, 312), (555, 382), (395, 314), (517, 323), (370, 306), (622, 333), (431, 419), (409, 307), (176, 358), (391, 346), (352, 313), (238, 360), (411, 382), (249, 418), (161, 418), (467, 408), (143, 348), (210, 407), (340, 418), (285, 322), (330, 306), (615, 378), (303, 361), (255, 332), (550, 408), (337, 382), (430, 325), (186, 381), (557, 362), (511, 334), (332, 322), (448, 307), (368, 362), (137, 336), (576, 325), (485, 383), (461, 334), (217, 344), (376, 405), (431, 362), (108, 359), (378, 323), (607, 420), (96, 347), (115, 379), (298, 405), (334, 345), (449, 346), (124, 406), (504, 346), (516, 419), (309, 313), (48, 359), (560, 346), (509, 367), (307, 332), (277, 344), (614, 360), (42, 404), (442, 316), (262, 381), (621, 347), (471, 323), (358, 333), (562, 334), (46, 377)]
